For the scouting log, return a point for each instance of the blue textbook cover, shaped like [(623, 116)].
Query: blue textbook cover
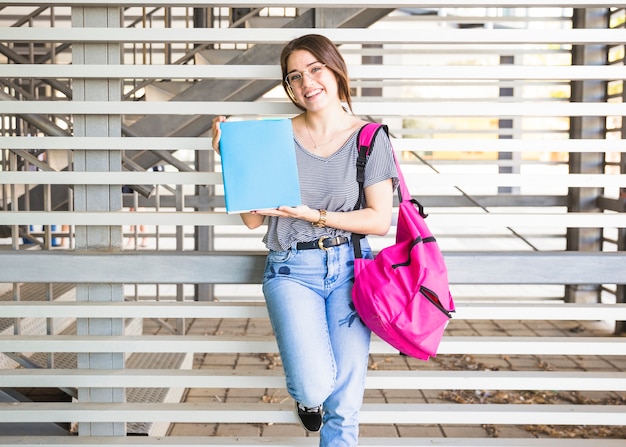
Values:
[(259, 167)]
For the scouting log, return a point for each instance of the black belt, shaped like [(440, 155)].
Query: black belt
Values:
[(323, 243)]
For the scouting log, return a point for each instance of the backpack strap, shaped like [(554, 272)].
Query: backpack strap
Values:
[(366, 136)]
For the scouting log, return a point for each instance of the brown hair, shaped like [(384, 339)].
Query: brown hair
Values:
[(326, 52)]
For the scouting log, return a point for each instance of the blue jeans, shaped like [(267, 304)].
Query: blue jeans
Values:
[(323, 344)]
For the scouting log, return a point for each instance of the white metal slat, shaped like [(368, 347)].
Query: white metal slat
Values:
[(388, 379), (513, 145), (400, 144), (404, 108), (216, 309), (338, 35), (272, 72), (272, 413), (206, 218), (285, 441), (330, 3), (215, 178), (257, 344), (226, 268)]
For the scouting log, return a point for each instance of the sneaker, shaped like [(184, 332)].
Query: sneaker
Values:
[(311, 418)]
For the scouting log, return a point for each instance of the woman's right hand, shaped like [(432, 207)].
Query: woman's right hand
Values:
[(217, 133)]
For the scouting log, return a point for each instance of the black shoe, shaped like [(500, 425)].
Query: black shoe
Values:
[(311, 418)]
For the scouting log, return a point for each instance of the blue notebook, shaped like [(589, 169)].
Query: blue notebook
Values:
[(259, 167)]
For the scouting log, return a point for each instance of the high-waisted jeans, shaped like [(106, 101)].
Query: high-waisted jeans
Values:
[(323, 344)]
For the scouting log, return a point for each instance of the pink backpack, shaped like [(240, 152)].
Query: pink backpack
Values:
[(402, 294)]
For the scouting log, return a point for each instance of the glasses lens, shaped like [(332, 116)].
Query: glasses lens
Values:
[(294, 78), (316, 70)]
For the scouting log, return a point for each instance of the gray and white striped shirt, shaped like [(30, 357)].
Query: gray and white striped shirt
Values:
[(330, 183)]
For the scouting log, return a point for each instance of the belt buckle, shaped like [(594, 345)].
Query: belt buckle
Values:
[(320, 243)]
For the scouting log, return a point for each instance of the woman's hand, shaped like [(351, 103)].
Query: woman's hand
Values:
[(217, 132), (302, 212), (374, 219), (255, 218)]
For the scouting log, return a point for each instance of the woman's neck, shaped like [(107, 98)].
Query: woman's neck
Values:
[(326, 122), (325, 133)]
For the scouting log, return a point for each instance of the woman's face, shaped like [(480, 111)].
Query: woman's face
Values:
[(314, 85)]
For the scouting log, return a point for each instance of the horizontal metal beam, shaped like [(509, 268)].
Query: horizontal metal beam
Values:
[(114, 178), (214, 178), (200, 218), (400, 144), (395, 35), (216, 309), (247, 268), (428, 200), (260, 344), (104, 267), (331, 3), (389, 380), (287, 441), (403, 108), (281, 413), (208, 218), (357, 72)]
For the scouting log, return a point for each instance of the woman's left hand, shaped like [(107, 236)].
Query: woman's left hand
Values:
[(297, 212)]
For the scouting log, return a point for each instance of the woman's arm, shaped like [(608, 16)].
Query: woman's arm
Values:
[(375, 219), (252, 220)]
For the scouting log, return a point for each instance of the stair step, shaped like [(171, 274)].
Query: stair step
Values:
[(216, 57)]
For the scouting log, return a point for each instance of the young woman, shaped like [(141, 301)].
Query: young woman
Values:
[(308, 277)]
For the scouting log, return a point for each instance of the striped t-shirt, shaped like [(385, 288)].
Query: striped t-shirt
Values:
[(330, 184)]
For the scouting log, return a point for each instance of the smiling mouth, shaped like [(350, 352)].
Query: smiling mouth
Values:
[(313, 93)]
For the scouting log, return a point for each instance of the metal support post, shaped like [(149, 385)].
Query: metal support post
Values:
[(98, 198), (587, 127)]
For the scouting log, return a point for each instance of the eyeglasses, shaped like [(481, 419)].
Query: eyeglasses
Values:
[(295, 78)]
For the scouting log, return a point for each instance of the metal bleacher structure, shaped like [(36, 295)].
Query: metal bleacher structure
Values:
[(507, 116)]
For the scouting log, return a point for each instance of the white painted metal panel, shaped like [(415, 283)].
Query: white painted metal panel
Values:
[(285, 441), (405, 108), (389, 380), (400, 144), (395, 35), (254, 344), (216, 309), (272, 413), (360, 72), (330, 3), (212, 178), (204, 218), (246, 268)]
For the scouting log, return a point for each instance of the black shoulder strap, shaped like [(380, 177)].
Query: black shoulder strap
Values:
[(365, 138)]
